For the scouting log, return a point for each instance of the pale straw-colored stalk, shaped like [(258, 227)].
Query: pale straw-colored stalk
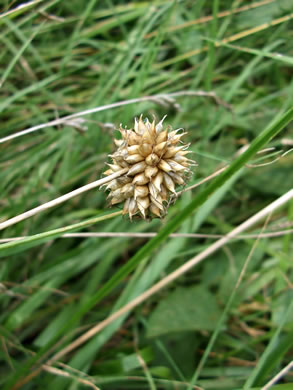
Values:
[(79, 191), (153, 234), (277, 377), (61, 199), (162, 99)]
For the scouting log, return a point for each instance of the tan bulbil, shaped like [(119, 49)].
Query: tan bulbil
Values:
[(156, 161)]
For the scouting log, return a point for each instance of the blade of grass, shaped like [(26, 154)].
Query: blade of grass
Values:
[(20, 9), (75, 35), (32, 88), (211, 47), (220, 323), (262, 53), (18, 55), (32, 50), (274, 351), (37, 239)]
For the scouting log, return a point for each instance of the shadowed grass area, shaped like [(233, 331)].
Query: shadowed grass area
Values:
[(59, 58)]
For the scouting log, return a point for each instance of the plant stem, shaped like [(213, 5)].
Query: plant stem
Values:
[(61, 199)]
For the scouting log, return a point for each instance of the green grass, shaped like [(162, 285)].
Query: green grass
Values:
[(59, 58)]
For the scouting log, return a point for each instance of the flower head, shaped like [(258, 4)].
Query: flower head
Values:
[(156, 158)]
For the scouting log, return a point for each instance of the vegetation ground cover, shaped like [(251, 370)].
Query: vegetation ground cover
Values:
[(92, 300)]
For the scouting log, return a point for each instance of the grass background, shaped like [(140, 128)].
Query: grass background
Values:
[(59, 58)]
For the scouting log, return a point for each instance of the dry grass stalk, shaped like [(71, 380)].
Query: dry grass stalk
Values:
[(153, 234), (61, 199), (74, 120)]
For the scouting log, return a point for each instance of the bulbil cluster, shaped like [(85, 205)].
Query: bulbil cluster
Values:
[(156, 159)]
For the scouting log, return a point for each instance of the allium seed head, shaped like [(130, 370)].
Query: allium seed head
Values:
[(156, 161)]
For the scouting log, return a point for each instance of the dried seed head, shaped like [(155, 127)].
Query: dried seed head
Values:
[(156, 161)]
